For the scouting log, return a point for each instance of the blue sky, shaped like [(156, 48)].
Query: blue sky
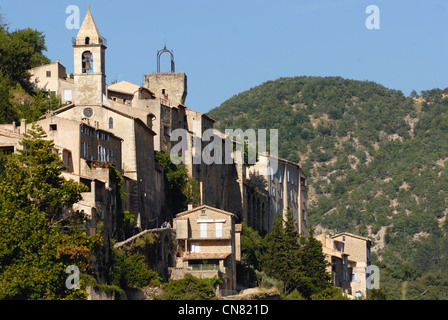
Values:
[(228, 46)]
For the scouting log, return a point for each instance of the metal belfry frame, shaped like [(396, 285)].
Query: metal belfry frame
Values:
[(159, 53)]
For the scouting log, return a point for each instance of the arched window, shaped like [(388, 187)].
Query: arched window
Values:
[(87, 60), (87, 40), (111, 123)]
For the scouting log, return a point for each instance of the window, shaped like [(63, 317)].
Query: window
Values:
[(85, 149), (48, 74), (53, 127), (203, 230), (103, 154), (87, 40), (111, 123), (218, 229), (195, 248)]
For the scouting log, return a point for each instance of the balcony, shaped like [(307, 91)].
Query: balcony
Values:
[(103, 41), (202, 267)]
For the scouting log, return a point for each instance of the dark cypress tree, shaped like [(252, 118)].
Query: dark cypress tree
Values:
[(314, 266), (282, 259)]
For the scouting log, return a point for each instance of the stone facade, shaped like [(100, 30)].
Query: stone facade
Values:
[(53, 77), (269, 195), (171, 86), (208, 244), (349, 255)]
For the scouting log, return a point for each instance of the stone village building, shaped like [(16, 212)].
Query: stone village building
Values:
[(349, 257), (103, 130), (118, 127), (208, 245)]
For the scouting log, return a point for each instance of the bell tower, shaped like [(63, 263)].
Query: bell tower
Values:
[(89, 64), (167, 85)]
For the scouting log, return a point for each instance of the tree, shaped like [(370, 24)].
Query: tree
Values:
[(36, 172), (7, 112), (175, 179), (315, 266), (20, 51), (130, 271), (192, 192), (38, 242), (251, 246), (189, 288), (301, 268), (282, 258)]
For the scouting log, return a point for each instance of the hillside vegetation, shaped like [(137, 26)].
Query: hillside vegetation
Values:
[(21, 50), (376, 162)]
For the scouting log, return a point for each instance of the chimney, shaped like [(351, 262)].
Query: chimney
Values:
[(22, 126), (201, 192), (324, 239), (190, 206)]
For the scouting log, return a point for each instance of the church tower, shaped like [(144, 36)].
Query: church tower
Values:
[(89, 65)]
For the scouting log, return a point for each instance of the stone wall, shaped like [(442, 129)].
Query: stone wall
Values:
[(157, 245), (168, 85)]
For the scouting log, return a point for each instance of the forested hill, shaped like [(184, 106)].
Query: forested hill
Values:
[(377, 162)]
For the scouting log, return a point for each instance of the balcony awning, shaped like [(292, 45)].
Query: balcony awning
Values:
[(205, 256)]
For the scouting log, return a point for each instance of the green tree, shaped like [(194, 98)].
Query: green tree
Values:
[(7, 112), (251, 246), (192, 192), (175, 179), (314, 266), (38, 242), (282, 257), (299, 267), (130, 271), (20, 51), (189, 288)]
